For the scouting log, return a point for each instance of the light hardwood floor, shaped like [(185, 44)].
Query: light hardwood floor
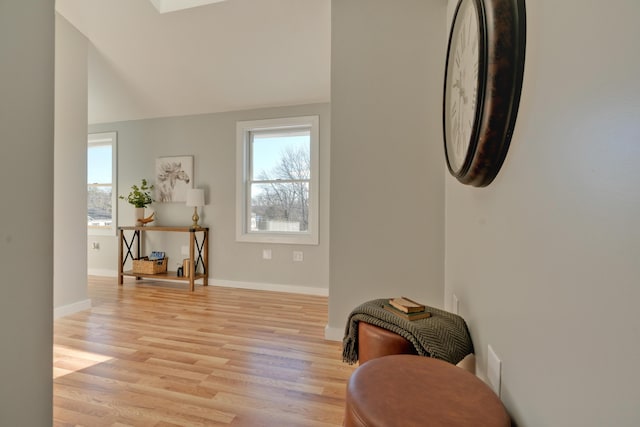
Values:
[(155, 354)]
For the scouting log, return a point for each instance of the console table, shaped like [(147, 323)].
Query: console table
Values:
[(198, 253)]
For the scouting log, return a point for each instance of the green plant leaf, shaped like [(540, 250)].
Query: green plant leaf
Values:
[(140, 197)]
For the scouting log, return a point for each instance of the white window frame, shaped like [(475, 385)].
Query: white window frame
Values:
[(243, 183), (107, 138)]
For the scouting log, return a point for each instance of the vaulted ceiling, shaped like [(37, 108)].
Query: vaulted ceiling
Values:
[(223, 56)]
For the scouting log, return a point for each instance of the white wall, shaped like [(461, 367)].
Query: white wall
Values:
[(211, 139), (26, 211), (546, 260), (110, 93), (387, 190), (70, 159)]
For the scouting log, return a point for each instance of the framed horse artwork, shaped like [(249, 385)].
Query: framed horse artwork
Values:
[(174, 176)]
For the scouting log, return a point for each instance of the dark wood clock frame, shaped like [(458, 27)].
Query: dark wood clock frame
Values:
[(502, 30)]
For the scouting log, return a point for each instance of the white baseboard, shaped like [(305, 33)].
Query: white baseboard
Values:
[(333, 334), (69, 309), (102, 272), (294, 289)]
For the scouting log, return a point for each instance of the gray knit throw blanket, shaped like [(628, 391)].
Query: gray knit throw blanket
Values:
[(443, 336)]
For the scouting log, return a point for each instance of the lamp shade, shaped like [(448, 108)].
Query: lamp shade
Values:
[(195, 197)]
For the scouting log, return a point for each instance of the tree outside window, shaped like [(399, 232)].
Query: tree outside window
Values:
[(100, 183), (279, 187)]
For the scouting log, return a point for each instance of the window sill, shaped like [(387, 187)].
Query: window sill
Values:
[(276, 238)]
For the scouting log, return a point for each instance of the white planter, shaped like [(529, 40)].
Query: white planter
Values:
[(139, 215)]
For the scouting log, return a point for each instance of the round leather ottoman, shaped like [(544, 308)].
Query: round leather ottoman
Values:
[(374, 342), (406, 390)]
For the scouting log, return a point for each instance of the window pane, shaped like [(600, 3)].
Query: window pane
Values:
[(280, 156), (99, 164), (99, 213), (101, 198), (277, 180), (280, 207)]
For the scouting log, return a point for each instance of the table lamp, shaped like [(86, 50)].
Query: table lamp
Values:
[(195, 198)]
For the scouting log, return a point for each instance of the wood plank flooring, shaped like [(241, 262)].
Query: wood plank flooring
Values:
[(155, 354)]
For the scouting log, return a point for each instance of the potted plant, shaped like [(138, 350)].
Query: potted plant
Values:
[(140, 198)]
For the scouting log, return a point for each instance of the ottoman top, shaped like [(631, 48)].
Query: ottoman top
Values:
[(407, 390)]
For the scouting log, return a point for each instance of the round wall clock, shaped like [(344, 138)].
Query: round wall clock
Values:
[(482, 85)]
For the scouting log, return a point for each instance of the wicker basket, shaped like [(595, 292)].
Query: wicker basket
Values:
[(144, 266)]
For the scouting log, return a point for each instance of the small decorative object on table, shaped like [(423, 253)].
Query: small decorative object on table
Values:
[(140, 198), (156, 255), (144, 221), (195, 199), (145, 265), (186, 267)]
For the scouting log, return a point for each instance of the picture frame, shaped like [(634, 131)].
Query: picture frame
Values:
[(174, 176)]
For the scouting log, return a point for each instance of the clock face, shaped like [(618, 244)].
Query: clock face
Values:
[(462, 85), (483, 81)]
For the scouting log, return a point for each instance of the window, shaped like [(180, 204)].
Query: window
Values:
[(101, 186), (277, 182)]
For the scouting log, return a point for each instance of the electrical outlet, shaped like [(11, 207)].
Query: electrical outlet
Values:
[(266, 254), (95, 246), (494, 370), (298, 256), (455, 304)]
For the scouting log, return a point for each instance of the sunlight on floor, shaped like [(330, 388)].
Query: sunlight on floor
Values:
[(67, 360)]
